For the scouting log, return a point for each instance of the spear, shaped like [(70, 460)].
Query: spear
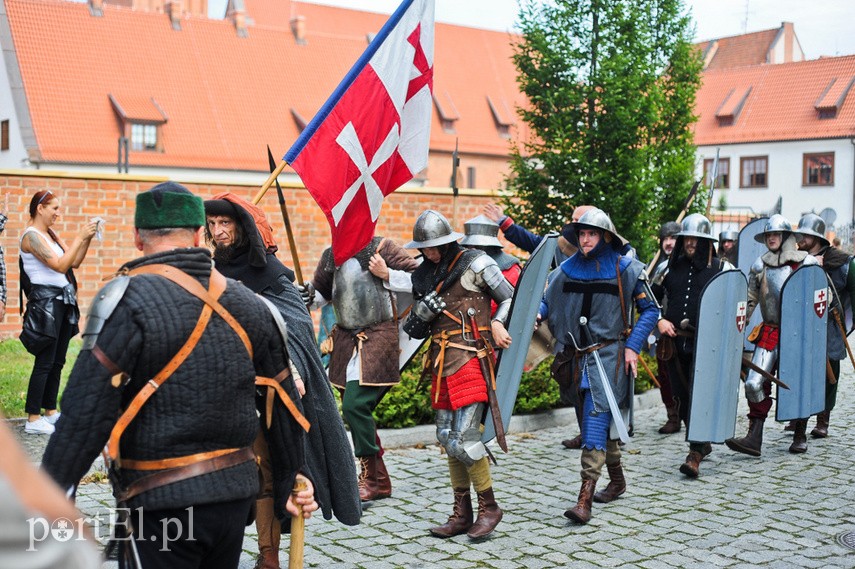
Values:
[(284, 209), (712, 183), (688, 203), (455, 162)]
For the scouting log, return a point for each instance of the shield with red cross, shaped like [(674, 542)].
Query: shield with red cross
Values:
[(741, 311), (820, 301)]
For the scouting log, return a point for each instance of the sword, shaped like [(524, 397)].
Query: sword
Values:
[(751, 365), (617, 417), (487, 372)]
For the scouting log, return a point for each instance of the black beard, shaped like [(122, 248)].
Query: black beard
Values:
[(225, 253)]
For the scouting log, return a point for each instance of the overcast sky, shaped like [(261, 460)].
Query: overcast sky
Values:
[(824, 27)]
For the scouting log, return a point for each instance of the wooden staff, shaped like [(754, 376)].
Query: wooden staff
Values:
[(268, 182), (295, 258), (648, 370), (298, 530), (840, 325)]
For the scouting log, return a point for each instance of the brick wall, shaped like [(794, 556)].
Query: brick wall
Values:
[(112, 197)]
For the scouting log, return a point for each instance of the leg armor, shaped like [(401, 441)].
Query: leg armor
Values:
[(443, 426), (765, 359), (464, 440)]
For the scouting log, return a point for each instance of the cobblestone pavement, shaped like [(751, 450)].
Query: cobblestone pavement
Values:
[(780, 510)]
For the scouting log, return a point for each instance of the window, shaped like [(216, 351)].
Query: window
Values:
[(754, 171), (470, 177), (4, 135), (723, 180), (143, 137), (818, 169)]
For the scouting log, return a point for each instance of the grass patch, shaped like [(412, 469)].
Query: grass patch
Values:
[(15, 367)]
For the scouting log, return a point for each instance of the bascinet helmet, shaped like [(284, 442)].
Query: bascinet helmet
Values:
[(812, 224), (431, 230), (697, 225), (481, 231), (776, 224)]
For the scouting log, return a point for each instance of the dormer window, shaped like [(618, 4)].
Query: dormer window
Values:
[(832, 97), (502, 116), (732, 105), (448, 114), (142, 122)]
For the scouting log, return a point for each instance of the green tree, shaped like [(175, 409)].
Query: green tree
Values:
[(611, 89)]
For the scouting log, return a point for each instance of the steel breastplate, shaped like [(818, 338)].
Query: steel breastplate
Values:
[(770, 293), (359, 298)]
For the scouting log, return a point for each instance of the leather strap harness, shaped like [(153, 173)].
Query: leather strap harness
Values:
[(189, 466)]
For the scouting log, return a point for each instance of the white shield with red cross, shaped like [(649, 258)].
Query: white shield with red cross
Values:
[(820, 301), (741, 311)]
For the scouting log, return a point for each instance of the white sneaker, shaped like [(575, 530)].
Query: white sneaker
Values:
[(52, 419), (39, 427)]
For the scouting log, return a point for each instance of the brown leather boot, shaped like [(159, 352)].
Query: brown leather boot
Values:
[(799, 437), (489, 515), (573, 444), (821, 429), (460, 519), (267, 559), (367, 481), (384, 483), (581, 512), (791, 426), (616, 486), (692, 465), (672, 425), (749, 444)]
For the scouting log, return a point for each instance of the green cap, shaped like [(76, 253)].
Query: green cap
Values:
[(168, 205)]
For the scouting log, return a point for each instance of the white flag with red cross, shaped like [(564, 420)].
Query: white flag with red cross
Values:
[(373, 133)]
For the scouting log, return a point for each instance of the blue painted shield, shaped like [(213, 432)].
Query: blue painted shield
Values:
[(524, 307), (802, 346), (718, 357), (747, 251)]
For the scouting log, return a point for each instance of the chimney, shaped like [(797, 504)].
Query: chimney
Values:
[(789, 36), (298, 28), (96, 8), (173, 10), (238, 17)]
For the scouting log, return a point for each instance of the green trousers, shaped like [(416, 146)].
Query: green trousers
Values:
[(357, 405)]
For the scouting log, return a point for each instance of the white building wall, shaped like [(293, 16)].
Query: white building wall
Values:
[(16, 156), (784, 174)]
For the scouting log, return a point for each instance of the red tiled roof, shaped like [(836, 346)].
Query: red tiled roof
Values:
[(741, 50), (781, 104), (225, 97)]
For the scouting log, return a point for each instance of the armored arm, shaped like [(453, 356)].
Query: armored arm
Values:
[(423, 313), (497, 286), (754, 276), (102, 307)]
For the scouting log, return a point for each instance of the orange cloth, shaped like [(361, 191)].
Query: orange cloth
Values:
[(258, 216)]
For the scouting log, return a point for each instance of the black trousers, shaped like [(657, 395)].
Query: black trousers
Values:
[(44, 379), (681, 369), (209, 536)]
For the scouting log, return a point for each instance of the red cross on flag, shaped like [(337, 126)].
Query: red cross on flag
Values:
[(372, 135)]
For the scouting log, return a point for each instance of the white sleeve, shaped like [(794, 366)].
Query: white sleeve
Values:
[(399, 281)]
